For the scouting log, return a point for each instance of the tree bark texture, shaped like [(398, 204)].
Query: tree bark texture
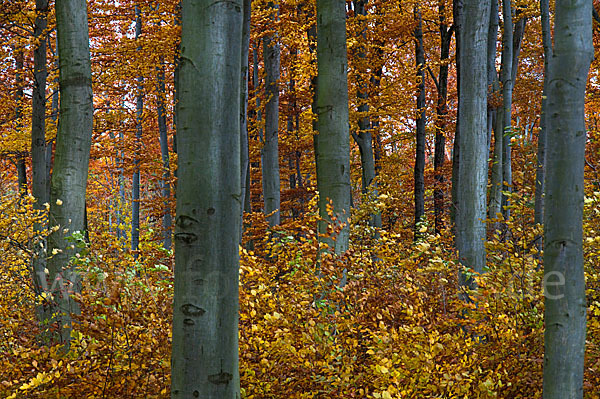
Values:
[(419, 171), (71, 158), (270, 151), (473, 164), (564, 288), (205, 308), (333, 146)]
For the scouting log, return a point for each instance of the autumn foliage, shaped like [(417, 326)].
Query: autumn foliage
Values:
[(384, 320)]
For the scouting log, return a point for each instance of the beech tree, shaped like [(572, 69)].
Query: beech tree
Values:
[(71, 159), (332, 142), (270, 152), (541, 149), (506, 111), (205, 308), (419, 171), (472, 172), (441, 84), (495, 120), (564, 280), (457, 14), (364, 137), (244, 144), (21, 166), (40, 181), (139, 111)]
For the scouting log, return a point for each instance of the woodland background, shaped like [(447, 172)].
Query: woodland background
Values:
[(398, 327)]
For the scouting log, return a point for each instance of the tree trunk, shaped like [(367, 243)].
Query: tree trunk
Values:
[(457, 12), (494, 117), (492, 75), (39, 182), (294, 156), (205, 308), (312, 48), (473, 164), (541, 149), (39, 149), (507, 89), (419, 171), (564, 280), (364, 138), (139, 110), (71, 159), (21, 167), (440, 129), (518, 32), (495, 207), (164, 152), (333, 146), (244, 145), (176, 62), (270, 152)]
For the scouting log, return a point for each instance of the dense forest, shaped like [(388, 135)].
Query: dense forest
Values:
[(299, 199)]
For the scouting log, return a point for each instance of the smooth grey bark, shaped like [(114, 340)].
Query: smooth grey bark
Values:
[(541, 149), (364, 138), (441, 113), (507, 89), (457, 13), (495, 118), (333, 140), (244, 145), (40, 180), (270, 151), (164, 152), (492, 75), (473, 164), (495, 204), (139, 110), (71, 160), (54, 115), (518, 32), (506, 170), (564, 280), (419, 170), (205, 309)]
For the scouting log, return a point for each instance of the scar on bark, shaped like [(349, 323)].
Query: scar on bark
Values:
[(221, 378)]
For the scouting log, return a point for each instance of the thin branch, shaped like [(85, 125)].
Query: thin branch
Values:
[(437, 84)]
